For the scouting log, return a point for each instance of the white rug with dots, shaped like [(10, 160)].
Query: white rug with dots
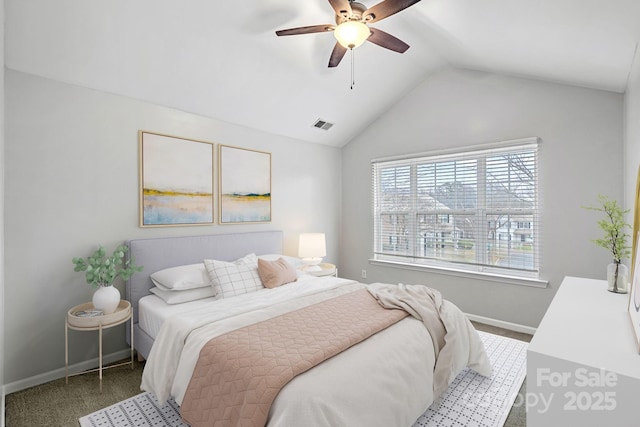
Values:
[(475, 401), (471, 400)]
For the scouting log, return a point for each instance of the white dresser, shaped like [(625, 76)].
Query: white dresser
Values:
[(583, 366)]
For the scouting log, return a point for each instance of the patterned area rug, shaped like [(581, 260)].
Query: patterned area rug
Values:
[(471, 400)]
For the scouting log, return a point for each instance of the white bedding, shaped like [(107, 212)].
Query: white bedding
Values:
[(153, 311), (386, 380), (170, 351)]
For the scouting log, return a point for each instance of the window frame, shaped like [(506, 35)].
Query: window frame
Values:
[(481, 268)]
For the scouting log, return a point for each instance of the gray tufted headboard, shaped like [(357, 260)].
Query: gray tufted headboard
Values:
[(160, 253)]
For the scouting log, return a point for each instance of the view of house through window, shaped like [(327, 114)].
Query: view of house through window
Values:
[(471, 210)]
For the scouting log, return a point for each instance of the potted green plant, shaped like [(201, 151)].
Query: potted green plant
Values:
[(102, 270), (614, 240)]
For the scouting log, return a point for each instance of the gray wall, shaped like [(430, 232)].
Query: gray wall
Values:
[(582, 147), (72, 182)]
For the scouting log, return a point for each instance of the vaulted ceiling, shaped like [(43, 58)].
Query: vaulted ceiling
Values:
[(222, 59)]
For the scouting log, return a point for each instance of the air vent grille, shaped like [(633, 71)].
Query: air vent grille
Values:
[(321, 124)]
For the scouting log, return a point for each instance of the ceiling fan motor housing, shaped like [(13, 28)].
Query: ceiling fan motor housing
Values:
[(357, 10)]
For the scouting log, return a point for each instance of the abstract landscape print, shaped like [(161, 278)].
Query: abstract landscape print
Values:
[(245, 185), (176, 181)]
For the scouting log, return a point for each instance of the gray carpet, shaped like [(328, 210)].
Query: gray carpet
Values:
[(60, 405), (55, 404)]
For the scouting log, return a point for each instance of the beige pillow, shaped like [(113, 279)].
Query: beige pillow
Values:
[(276, 273)]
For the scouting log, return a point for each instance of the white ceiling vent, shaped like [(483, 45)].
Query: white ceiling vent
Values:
[(321, 124)]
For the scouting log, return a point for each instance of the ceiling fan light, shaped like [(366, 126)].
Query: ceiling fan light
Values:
[(351, 34)]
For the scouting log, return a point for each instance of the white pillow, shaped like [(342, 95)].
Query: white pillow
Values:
[(234, 278), (247, 259), (177, 297), (182, 277)]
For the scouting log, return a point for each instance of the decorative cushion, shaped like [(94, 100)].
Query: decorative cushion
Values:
[(177, 297), (190, 276), (233, 278), (182, 277), (295, 262), (276, 273)]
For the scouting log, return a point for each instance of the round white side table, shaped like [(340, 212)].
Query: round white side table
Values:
[(325, 270)]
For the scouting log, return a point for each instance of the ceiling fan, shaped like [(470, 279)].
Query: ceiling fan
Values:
[(352, 29)]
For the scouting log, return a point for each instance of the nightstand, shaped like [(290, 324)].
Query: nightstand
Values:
[(325, 270), (96, 323)]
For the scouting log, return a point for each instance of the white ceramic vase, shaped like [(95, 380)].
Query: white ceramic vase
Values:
[(106, 298)]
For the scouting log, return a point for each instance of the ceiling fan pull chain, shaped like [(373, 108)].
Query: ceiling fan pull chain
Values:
[(353, 78)]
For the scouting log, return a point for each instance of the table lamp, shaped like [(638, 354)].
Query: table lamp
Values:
[(311, 249)]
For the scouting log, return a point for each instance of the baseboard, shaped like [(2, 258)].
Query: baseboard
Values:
[(502, 324), (60, 373)]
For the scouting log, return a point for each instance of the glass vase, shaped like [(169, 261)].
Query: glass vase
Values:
[(618, 278)]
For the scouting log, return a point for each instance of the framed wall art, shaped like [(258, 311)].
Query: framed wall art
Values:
[(636, 223), (176, 181), (245, 185), (634, 295)]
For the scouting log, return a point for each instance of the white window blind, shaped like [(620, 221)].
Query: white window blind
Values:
[(473, 210)]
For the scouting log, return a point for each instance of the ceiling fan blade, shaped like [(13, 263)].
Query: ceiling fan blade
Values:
[(306, 30), (386, 8), (387, 41), (341, 7), (337, 55)]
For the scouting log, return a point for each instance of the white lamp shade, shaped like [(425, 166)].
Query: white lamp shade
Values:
[(312, 245), (351, 34)]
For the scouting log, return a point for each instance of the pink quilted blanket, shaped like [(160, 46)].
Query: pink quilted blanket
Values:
[(239, 374)]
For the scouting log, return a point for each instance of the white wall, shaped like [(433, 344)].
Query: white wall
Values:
[(582, 146), (72, 182), (632, 135)]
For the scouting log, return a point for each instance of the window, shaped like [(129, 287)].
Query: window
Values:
[(466, 210)]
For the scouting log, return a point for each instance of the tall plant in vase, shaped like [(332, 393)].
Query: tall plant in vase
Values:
[(101, 271), (614, 240)]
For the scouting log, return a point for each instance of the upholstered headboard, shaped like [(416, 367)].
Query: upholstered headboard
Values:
[(160, 253)]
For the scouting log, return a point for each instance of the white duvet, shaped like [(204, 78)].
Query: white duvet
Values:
[(386, 380)]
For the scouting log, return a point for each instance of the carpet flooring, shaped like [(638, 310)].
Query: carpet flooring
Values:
[(56, 404)]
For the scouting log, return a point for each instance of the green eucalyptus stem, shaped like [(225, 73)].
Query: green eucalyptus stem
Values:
[(102, 270)]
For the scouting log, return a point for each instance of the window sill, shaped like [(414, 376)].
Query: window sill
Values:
[(512, 280)]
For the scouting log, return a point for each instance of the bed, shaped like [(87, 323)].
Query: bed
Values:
[(388, 378)]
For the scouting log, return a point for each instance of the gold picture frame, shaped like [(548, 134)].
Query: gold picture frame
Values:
[(634, 292), (634, 297), (244, 185), (176, 181)]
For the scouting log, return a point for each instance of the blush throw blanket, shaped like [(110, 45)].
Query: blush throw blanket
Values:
[(456, 342), (239, 374)]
